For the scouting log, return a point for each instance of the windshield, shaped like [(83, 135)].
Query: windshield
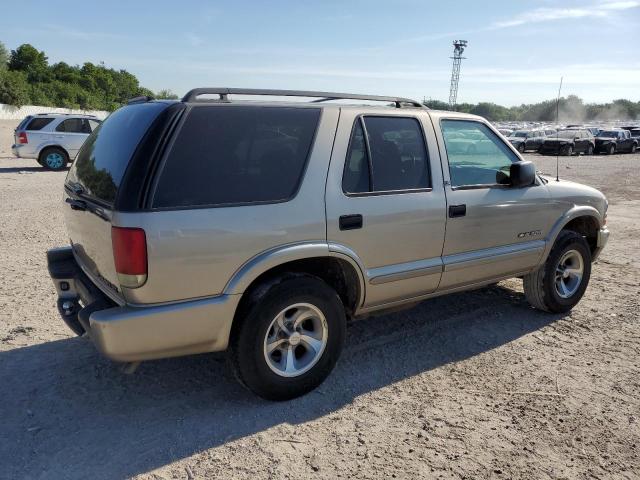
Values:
[(520, 134), (567, 134)]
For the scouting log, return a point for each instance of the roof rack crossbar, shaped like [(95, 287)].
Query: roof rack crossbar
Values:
[(192, 95)]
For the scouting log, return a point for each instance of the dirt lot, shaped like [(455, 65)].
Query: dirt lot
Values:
[(475, 385)]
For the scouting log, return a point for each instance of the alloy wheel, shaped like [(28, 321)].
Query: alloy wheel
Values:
[(295, 339), (569, 274)]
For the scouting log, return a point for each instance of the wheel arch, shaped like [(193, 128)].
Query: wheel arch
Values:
[(338, 267), (46, 146), (584, 220)]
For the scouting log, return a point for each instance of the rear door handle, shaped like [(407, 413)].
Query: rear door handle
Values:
[(350, 222), (457, 210)]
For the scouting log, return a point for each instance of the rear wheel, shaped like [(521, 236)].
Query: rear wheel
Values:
[(559, 284), (287, 343), (53, 158), (611, 149), (568, 150), (634, 147)]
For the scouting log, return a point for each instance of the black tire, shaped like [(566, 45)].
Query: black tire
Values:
[(567, 150), (540, 285), (247, 346), (42, 159), (589, 150), (521, 147), (611, 149), (633, 148)]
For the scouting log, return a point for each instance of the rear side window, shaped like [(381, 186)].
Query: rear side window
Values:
[(104, 156), (74, 125), (38, 123), (225, 155), (386, 154)]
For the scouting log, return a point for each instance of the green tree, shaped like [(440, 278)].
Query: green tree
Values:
[(166, 94), (4, 57), (14, 89), (33, 62)]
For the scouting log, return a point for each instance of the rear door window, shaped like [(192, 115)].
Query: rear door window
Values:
[(104, 156), (72, 125), (386, 154), (230, 155), (38, 123)]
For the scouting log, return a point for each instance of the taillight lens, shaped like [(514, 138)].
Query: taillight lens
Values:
[(130, 255), (22, 138)]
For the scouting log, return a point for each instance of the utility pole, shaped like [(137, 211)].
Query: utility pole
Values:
[(458, 49)]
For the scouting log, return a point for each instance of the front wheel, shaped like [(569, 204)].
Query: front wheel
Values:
[(590, 150), (611, 150), (559, 284), (287, 342), (521, 148), (568, 150), (634, 147)]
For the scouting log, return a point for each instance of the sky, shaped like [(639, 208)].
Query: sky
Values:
[(518, 49)]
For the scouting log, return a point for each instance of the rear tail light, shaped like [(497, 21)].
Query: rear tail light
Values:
[(22, 138), (130, 255)]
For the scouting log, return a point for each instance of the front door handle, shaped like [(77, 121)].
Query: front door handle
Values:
[(457, 210), (350, 222)]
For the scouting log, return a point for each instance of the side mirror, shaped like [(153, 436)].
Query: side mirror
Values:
[(522, 174)]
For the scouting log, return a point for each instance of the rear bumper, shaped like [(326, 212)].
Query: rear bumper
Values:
[(134, 333), (15, 149)]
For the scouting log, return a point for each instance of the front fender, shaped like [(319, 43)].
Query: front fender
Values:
[(574, 212)]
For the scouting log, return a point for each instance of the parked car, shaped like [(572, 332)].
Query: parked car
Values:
[(185, 239), (505, 131), (524, 140), (53, 139), (612, 141), (569, 141)]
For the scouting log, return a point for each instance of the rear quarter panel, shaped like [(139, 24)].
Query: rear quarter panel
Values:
[(194, 253)]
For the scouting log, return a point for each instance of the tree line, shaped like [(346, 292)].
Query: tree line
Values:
[(27, 78), (570, 109)]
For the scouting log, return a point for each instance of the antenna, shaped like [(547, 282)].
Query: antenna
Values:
[(458, 48), (557, 133)]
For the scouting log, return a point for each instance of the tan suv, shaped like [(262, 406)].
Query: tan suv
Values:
[(261, 227)]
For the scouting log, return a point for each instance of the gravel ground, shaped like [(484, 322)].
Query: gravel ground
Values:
[(474, 385)]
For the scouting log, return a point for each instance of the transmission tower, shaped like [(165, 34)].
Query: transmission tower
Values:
[(458, 48)]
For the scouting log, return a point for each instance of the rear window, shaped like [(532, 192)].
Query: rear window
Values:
[(38, 123), (226, 155), (104, 156)]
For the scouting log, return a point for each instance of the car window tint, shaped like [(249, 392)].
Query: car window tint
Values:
[(356, 171), (225, 155), (479, 160), (105, 155), (38, 123), (71, 125), (396, 160)]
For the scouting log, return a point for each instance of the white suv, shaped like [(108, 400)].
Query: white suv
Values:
[(53, 139)]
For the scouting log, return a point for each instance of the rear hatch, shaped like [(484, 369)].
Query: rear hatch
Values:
[(92, 187)]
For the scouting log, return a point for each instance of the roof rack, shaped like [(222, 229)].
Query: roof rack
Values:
[(67, 114), (192, 95)]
